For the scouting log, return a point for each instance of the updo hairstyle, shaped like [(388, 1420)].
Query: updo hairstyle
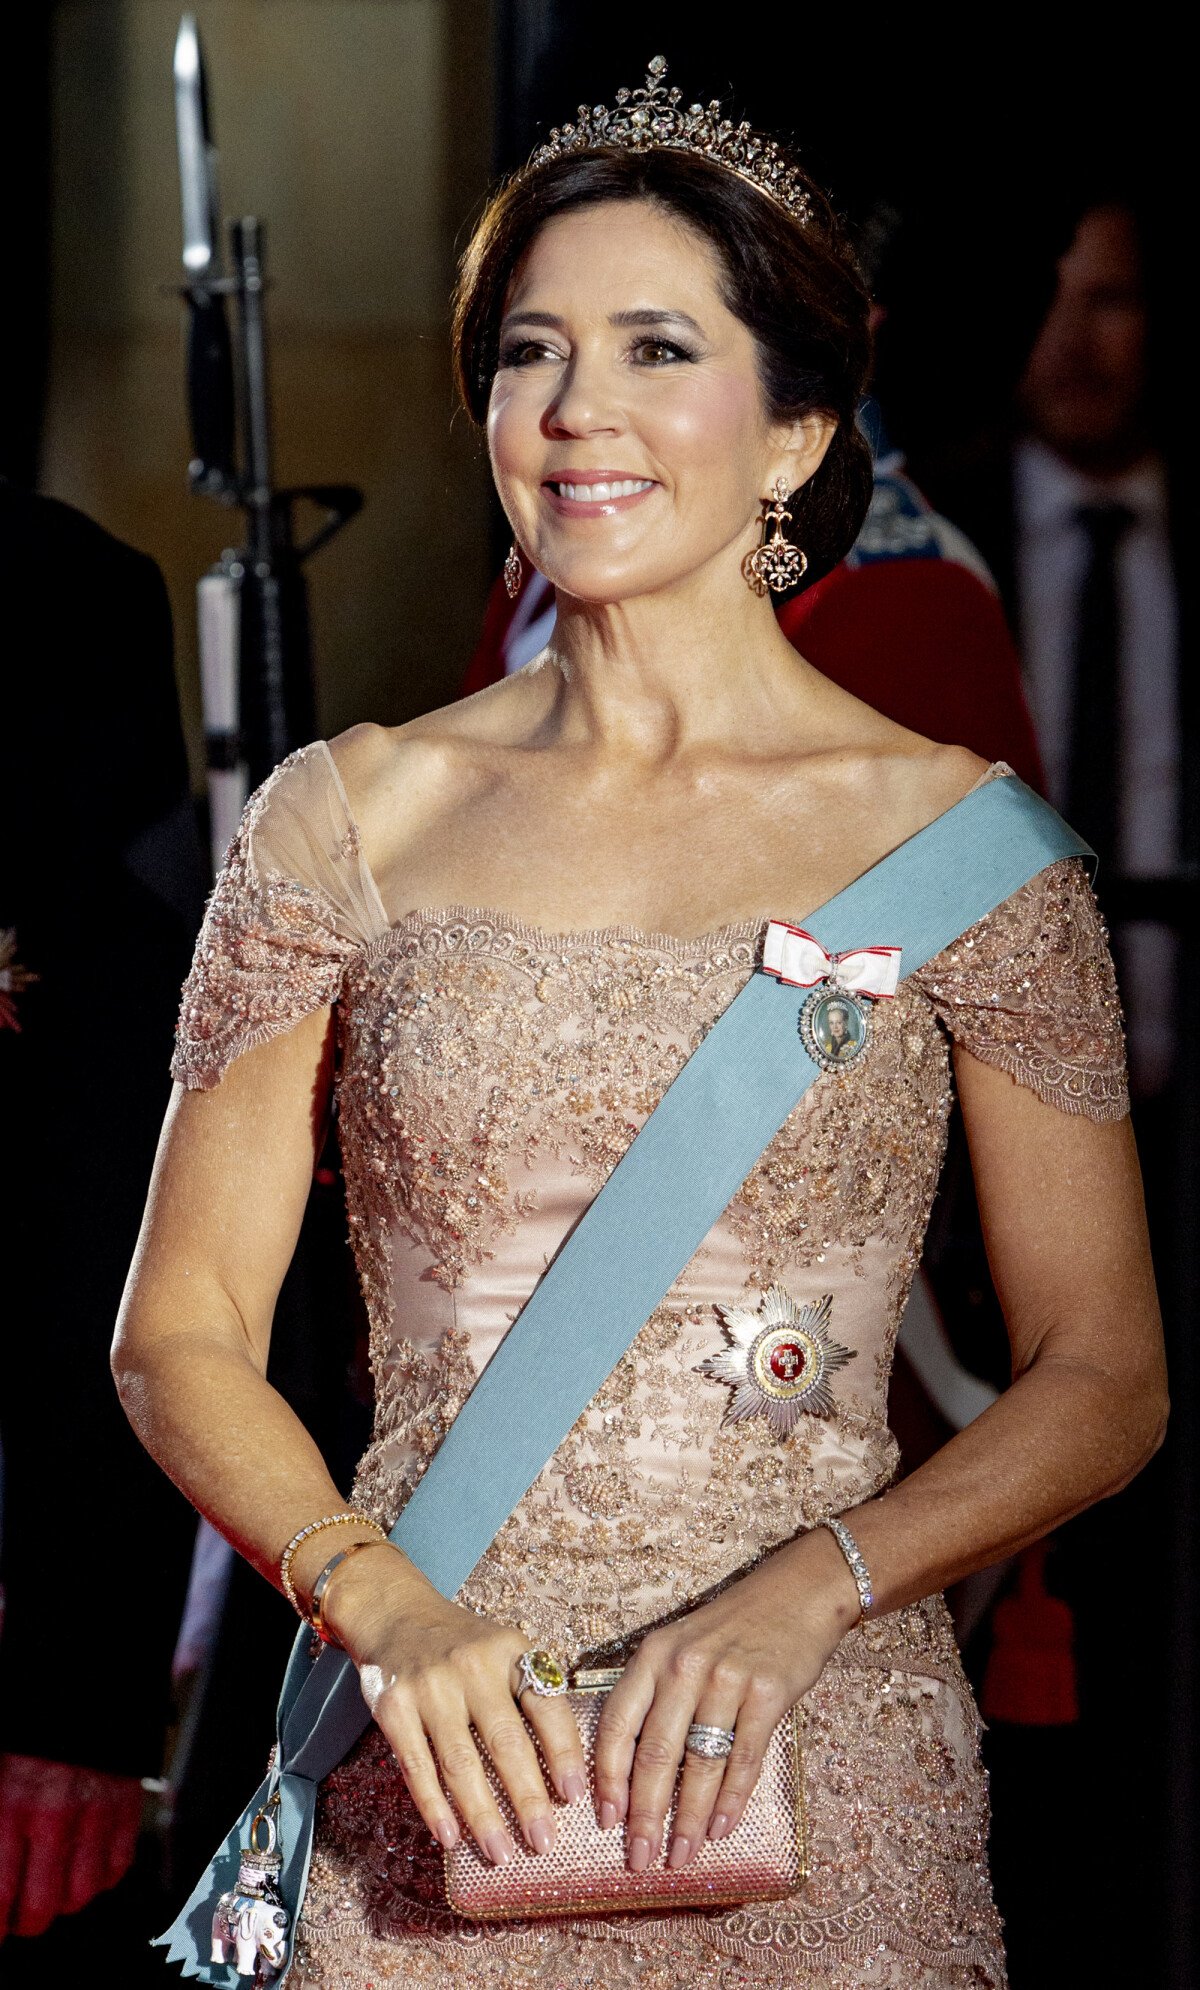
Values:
[(795, 287)]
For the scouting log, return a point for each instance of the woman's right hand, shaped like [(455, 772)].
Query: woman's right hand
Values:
[(435, 1677)]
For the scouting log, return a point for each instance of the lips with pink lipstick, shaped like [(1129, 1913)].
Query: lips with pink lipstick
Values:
[(595, 493)]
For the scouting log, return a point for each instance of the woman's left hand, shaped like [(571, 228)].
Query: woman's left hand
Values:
[(741, 1662)]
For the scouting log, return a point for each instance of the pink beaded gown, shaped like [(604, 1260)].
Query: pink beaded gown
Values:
[(490, 1076)]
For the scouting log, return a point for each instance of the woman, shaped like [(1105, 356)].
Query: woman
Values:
[(655, 341)]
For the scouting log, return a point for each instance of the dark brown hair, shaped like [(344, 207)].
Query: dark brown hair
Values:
[(795, 287)]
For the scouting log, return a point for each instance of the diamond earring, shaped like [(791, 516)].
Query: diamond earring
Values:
[(776, 563), (513, 574)]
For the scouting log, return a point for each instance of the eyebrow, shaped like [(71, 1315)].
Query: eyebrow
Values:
[(624, 320)]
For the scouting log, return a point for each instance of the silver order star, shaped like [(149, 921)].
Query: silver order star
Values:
[(779, 1360)]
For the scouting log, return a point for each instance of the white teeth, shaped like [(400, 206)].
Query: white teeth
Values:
[(600, 493)]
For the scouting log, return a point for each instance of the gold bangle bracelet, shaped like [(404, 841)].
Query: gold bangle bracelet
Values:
[(316, 1608), (314, 1527)]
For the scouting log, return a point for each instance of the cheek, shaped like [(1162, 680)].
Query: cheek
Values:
[(513, 431), (708, 427)]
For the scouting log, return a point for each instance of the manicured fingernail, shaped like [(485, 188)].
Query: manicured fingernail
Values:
[(447, 1833), (719, 1825), (498, 1846), (680, 1852), (639, 1855), (608, 1815), (574, 1785), (540, 1834)]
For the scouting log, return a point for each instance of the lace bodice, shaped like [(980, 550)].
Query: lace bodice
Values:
[(1030, 987)]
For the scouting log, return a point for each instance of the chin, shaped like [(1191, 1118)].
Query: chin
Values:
[(601, 584)]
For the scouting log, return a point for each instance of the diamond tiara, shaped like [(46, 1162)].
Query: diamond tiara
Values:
[(651, 117)]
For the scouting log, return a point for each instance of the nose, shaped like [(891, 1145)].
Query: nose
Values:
[(583, 403)]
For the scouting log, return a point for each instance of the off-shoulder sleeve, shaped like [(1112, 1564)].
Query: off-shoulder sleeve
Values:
[(1031, 988), (294, 904)]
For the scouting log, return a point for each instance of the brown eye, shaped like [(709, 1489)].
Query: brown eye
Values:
[(660, 352), (524, 352)]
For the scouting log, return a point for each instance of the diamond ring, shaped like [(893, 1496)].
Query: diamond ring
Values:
[(541, 1673), (714, 1743)]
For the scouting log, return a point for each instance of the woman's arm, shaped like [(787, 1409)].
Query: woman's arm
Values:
[(230, 1184), (1064, 1222), (227, 1196)]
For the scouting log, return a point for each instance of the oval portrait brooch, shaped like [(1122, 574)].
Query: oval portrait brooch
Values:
[(834, 1028), (779, 1361), (835, 1019)]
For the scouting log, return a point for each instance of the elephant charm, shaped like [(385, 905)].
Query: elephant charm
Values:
[(250, 1921), (249, 1930)]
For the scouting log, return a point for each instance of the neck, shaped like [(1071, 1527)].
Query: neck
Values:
[(660, 676)]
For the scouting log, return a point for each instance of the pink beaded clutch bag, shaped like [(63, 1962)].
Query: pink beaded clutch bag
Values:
[(763, 1858)]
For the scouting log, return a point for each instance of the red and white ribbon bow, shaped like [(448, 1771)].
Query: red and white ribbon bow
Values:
[(801, 961)]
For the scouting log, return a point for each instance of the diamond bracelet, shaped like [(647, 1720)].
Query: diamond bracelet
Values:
[(855, 1562), (315, 1527)]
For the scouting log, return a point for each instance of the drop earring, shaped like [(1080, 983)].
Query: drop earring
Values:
[(513, 573), (776, 563)]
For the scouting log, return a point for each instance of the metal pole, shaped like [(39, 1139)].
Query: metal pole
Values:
[(266, 725)]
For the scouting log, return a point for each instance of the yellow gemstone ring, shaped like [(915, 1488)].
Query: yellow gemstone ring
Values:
[(539, 1671)]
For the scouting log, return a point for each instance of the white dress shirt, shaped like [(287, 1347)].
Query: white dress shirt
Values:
[(1051, 556)]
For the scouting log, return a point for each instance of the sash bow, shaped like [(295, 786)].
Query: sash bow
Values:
[(795, 957)]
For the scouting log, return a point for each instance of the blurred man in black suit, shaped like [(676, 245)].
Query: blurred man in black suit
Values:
[(1097, 604), (101, 884), (1075, 519), (1078, 515)]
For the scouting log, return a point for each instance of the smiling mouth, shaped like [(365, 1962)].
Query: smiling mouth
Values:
[(600, 493)]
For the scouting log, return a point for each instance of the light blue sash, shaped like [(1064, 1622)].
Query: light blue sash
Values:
[(670, 1187)]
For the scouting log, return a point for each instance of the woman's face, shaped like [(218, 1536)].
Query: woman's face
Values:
[(628, 436)]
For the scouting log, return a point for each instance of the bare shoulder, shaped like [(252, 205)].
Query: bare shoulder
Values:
[(900, 781), (397, 781), (400, 781), (919, 784), (940, 776), (900, 778)]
